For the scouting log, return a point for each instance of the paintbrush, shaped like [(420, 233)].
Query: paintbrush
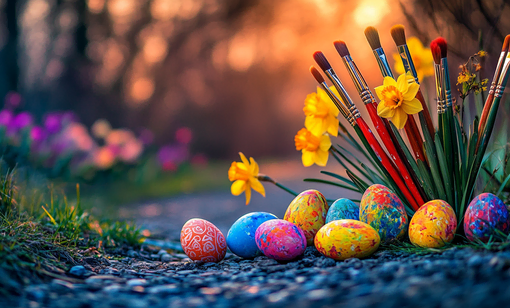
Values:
[(448, 130), (412, 131), (489, 126), (441, 96), (371, 104), (399, 36), (490, 98), (360, 126)]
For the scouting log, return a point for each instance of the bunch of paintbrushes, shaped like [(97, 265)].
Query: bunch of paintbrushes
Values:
[(443, 164)]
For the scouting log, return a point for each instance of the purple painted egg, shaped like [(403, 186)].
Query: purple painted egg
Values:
[(280, 240), (485, 214)]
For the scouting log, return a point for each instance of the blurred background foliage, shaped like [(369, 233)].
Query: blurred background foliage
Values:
[(187, 81)]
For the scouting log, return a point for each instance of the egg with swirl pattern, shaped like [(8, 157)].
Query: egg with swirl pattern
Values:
[(203, 241)]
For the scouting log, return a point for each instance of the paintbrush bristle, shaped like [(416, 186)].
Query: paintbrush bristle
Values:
[(316, 74), (436, 51), (373, 37), (321, 60), (506, 44), (443, 46), (398, 33), (341, 47)]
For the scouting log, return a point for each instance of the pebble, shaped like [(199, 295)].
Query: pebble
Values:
[(79, 271)]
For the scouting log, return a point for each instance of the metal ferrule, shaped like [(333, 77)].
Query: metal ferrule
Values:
[(446, 83), (499, 91), (359, 82), (355, 112), (439, 89), (344, 96), (382, 61), (405, 55), (497, 72), (504, 71)]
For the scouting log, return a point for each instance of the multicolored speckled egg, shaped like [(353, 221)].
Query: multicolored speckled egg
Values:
[(203, 241), (280, 240), (342, 209), (308, 211), (433, 225), (383, 210), (347, 238), (241, 236), (483, 215)]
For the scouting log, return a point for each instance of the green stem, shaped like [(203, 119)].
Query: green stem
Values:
[(265, 178)]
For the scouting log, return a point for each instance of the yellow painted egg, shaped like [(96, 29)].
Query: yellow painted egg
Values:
[(433, 225), (347, 238), (383, 210), (308, 211)]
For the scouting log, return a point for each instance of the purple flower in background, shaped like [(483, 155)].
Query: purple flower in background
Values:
[(69, 117), (171, 156), (5, 117), (53, 122), (38, 134), (21, 121), (12, 100)]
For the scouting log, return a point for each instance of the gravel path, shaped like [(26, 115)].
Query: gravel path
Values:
[(453, 278)]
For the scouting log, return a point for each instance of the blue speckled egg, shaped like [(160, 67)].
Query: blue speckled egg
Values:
[(383, 210), (485, 214), (342, 209), (241, 236)]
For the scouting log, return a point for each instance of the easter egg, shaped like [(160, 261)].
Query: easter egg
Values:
[(308, 211), (203, 241), (241, 236), (280, 240), (485, 214), (347, 238), (383, 210), (342, 209), (433, 225)]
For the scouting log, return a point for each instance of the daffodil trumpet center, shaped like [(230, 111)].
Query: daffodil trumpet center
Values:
[(236, 173), (392, 97), (305, 140)]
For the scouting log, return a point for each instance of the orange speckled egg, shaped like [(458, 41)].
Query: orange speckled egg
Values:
[(433, 225), (347, 238), (308, 211), (203, 241)]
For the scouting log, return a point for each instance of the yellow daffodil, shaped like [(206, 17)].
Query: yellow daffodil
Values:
[(398, 100), (422, 59), (245, 177), (314, 147), (321, 113)]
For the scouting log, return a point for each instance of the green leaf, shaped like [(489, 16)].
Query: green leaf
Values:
[(331, 183), (443, 164), (351, 163), (427, 182), (359, 183), (434, 169), (341, 178)]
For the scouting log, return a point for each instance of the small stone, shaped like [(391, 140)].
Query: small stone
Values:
[(475, 261), (164, 289), (132, 254), (136, 282), (79, 271), (166, 257), (162, 252)]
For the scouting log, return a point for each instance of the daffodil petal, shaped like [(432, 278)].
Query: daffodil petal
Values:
[(237, 187), (378, 91), (412, 90), (388, 81), (244, 160), (257, 186), (248, 194), (402, 83), (412, 107), (307, 158), (254, 166), (321, 158), (399, 66), (242, 166), (332, 127), (383, 111), (314, 125), (400, 118), (325, 143)]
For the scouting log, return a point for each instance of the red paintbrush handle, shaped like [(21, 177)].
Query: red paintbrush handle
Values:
[(386, 162), (392, 150), (413, 134), (485, 113)]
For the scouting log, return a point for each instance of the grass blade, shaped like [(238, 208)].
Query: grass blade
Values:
[(331, 183)]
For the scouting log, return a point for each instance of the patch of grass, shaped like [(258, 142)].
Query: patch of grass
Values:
[(42, 231)]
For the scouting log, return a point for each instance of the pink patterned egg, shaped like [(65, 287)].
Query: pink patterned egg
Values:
[(203, 241), (280, 240)]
